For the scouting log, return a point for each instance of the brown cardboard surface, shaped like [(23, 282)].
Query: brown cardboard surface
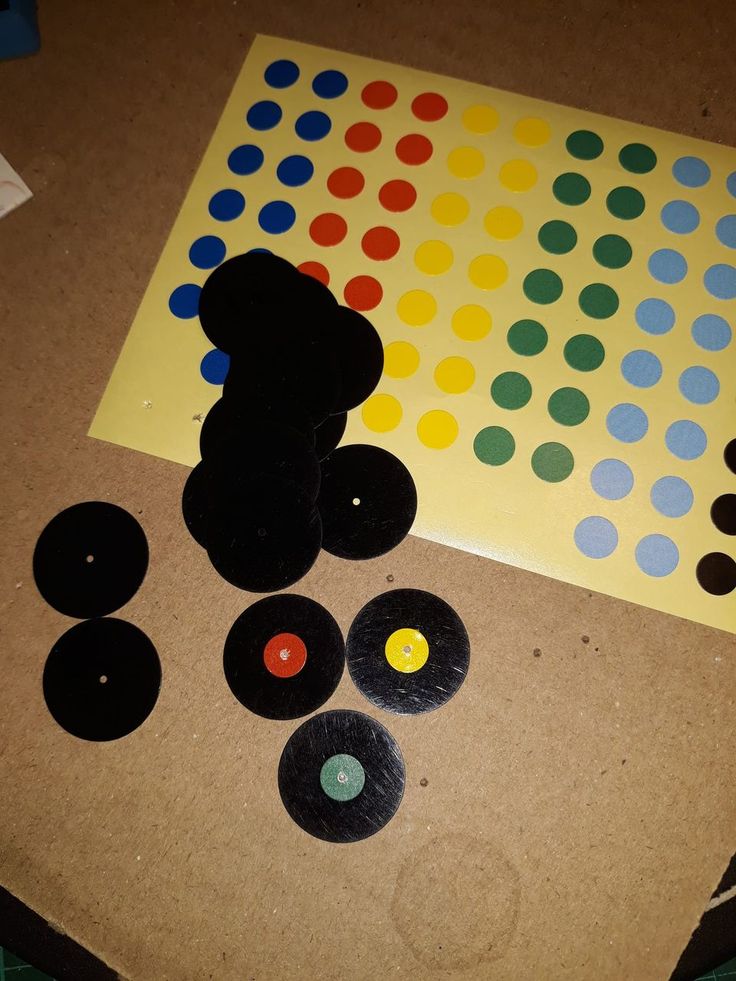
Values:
[(580, 803)]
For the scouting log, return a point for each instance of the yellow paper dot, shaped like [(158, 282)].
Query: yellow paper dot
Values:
[(471, 322), (381, 413), (437, 429), (518, 175), (433, 257), (532, 131), (503, 222), (488, 272), (454, 375), (400, 360), (416, 308), (480, 119), (466, 162), (450, 209), (406, 650)]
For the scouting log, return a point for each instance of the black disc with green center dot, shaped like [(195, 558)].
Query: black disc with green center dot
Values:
[(584, 144), (571, 188), (583, 352), (625, 202), (552, 462), (527, 337), (568, 406), (612, 251), (494, 445), (341, 776), (598, 300), (637, 158), (542, 286), (511, 390)]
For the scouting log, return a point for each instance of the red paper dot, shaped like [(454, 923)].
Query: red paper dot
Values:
[(328, 229), (316, 270), (397, 195), (363, 137), (345, 182), (363, 293), (379, 95), (380, 243), (429, 106), (414, 149), (285, 655)]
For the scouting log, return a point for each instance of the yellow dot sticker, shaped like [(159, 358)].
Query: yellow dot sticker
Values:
[(503, 222), (433, 257), (532, 131), (466, 162), (416, 308), (454, 375), (450, 209), (518, 175), (471, 322), (381, 413), (407, 650), (400, 359), (480, 119), (488, 272), (437, 429)]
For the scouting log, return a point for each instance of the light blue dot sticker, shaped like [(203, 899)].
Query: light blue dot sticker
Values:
[(691, 171), (699, 385), (214, 366), (680, 217), (731, 184), (641, 368), (726, 231), (686, 440), (184, 301), (655, 316), (612, 479), (672, 496), (245, 159), (711, 332), (720, 281), (667, 266), (207, 252), (227, 204), (596, 537), (627, 423), (657, 555)]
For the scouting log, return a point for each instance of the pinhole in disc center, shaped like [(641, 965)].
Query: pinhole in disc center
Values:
[(103, 679), (356, 501), (89, 558)]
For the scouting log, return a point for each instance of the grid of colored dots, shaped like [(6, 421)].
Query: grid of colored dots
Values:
[(414, 149), (416, 308), (381, 413), (345, 182), (379, 95), (471, 322), (437, 429)]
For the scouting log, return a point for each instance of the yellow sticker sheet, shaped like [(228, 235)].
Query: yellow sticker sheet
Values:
[(555, 291)]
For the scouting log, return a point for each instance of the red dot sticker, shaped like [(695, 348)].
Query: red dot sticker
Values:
[(397, 195), (379, 95), (285, 655), (429, 107), (316, 270), (363, 293), (345, 182), (363, 137), (414, 149), (380, 243), (328, 229)]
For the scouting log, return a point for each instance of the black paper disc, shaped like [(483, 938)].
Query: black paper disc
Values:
[(329, 433), (408, 651), (284, 657), (245, 412), (195, 504), (341, 776), (367, 500), (90, 559), (359, 352), (716, 573), (102, 679)]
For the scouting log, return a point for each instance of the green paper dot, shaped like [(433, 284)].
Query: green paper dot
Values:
[(568, 406), (638, 158), (558, 237), (583, 352), (584, 144), (342, 777), (542, 286), (511, 390), (598, 300), (494, 445), (571, 188), (625, 203), (527, 337), (552, 462), (612, 251)]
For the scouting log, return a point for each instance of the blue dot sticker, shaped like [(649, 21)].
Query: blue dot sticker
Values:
[(596, 537), (699, 385), (680, 217), (281, 74), (226, 205), (691, 171), (313, 125), (657, 555), (207, 252), (686, 440), (627, 423), (276, 217), (720, 281), (612, 479), (711, 332), (667, 266), (264, 115), (655, 316), (329, 84), (245, 159), (294, 171), (184, 301), (671, 496), (641, 368), (726, 231), (731, 184), (214, 366)]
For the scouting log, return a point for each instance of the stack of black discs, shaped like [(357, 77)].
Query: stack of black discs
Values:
[(271, 488)]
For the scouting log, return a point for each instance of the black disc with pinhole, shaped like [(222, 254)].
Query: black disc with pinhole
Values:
[(90, 559), (102, 679), (359, 352), (195, 504), (723, 513), (367, 500), (716, 573), (388, 627), (729, 455), (368, 748), (300, 629), (329, 434), (249, 410)]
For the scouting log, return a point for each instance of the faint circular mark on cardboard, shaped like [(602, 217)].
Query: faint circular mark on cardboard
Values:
[(456, 902)]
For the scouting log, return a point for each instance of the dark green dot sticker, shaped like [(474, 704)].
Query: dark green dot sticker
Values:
[(342, 777), (511, 390), (527, 337), (542, 286), (583, 352), (568, 406), (612, 251), (625, 203), (598, 301), (638, 158), (571, 188), (558, 237), (494, 445), (552, 462), (584, 144)]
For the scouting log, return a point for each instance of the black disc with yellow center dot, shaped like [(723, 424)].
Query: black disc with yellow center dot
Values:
[(408, 651)]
